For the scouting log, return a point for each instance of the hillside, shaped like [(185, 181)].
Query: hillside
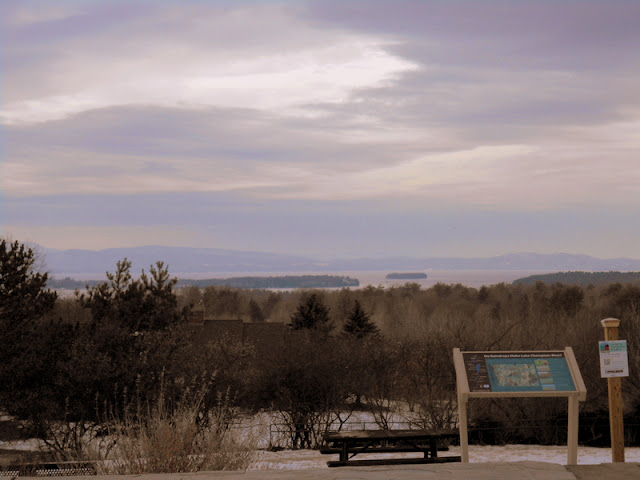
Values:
[(581, 278)]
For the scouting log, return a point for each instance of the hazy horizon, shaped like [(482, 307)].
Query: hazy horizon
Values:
[(326, 257), (323, 129)]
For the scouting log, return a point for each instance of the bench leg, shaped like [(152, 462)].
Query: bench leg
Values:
[(433, 450), (344, 454)]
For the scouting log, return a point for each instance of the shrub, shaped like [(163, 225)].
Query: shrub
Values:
[(172, 437)]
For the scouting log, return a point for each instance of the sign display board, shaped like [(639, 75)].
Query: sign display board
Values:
[(518, 372), (614, 361), (548, 373)]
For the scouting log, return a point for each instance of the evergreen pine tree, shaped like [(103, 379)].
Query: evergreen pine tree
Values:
[(358, 324), (311, 314), (24, 298)]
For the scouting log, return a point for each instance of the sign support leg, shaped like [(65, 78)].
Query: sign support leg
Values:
[(464, 433), (572, 433)]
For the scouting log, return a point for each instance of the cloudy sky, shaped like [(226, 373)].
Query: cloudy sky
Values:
[(327, 128)]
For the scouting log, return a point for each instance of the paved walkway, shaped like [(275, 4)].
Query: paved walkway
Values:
[(606, 471), (451, 471)]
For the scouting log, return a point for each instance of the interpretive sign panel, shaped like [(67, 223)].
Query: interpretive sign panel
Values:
[(545, 373), (518, 372), (614, 361)]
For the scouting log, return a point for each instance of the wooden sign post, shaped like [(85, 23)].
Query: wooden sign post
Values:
[(615, 397)]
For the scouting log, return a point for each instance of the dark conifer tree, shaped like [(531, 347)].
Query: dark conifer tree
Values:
[(312, 314), (24, 298), (358, 324)]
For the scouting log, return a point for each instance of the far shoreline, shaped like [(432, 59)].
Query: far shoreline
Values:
[(367, 278)]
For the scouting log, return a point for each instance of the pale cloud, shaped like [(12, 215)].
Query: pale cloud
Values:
[(24, 14), (120, 175), (414, 178), (337, 164), (622, 134), (466, 166), (324, 67)]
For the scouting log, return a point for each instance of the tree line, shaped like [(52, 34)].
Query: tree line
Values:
[(282, 281), (70, 366), (583, 279)]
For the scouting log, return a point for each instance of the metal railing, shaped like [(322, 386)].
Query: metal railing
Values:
[(49, 469)]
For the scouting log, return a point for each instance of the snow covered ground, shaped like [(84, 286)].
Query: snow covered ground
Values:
[(301, 459), (258, 428)]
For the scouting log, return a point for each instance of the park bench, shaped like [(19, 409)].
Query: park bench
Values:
[(348, 444)]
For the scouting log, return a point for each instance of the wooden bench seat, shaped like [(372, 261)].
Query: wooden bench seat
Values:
[(386, 449), (348, 444)]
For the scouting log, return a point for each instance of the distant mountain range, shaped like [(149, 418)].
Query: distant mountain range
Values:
[(185, 260)]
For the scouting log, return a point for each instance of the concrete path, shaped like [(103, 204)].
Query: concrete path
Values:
[(451, 471), (606, 471)]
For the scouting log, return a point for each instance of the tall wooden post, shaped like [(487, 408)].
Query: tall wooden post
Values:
[(615, 398)]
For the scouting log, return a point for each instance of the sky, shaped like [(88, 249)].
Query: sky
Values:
[(325, 128)]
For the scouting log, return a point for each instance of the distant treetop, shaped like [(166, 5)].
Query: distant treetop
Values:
[(406, 275)]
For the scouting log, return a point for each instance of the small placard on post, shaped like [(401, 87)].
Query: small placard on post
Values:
[(614, 361)]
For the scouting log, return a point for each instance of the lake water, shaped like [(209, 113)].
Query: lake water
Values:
[(469, 278)]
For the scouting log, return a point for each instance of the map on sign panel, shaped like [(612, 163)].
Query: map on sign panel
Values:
[(523, 375), (518, 372)]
